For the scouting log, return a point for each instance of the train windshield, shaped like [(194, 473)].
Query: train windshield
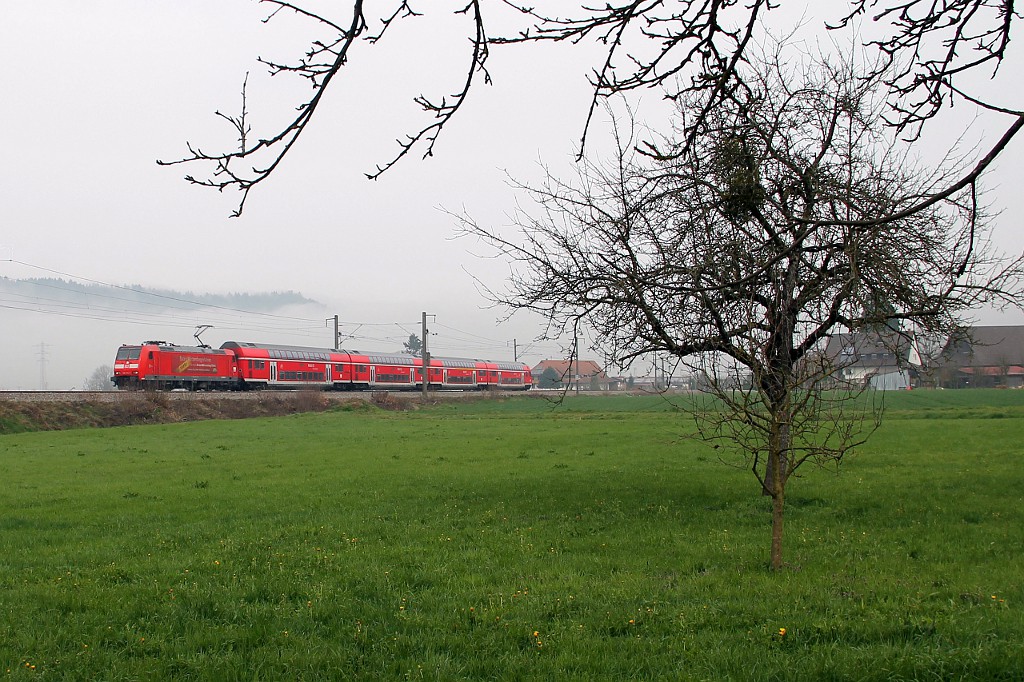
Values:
[(128, 352)]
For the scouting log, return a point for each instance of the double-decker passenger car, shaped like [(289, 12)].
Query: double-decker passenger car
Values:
[(265, 365)]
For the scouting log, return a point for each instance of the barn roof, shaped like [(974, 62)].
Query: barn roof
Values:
[(991, 346), (569, 368), (867, 349)]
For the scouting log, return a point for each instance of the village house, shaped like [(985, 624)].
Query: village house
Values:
[(984, 357), (881, 361), (586, 375)]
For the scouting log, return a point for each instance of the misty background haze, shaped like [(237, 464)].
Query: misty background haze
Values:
[(94, 93)]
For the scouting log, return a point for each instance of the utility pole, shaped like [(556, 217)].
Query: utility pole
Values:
[(576, 374), (42, 366), (515, 351), (337, 333), (426, 356)]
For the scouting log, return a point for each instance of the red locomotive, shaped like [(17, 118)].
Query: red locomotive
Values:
[(161, 365), (237, 365)]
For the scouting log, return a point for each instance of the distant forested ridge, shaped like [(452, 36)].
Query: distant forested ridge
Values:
[(42, 291)]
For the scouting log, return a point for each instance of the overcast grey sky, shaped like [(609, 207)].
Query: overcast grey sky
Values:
[(92, 93)]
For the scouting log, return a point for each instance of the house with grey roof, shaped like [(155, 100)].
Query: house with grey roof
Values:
[(983, 357), (879, 360)]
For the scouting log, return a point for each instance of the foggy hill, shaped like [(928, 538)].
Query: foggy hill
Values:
[(43, 292)]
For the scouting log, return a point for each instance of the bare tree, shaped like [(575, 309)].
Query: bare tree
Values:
[(746, 239), (930, 50), (101, 379)]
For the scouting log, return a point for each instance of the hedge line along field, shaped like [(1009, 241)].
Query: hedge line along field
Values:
[(510, 540)]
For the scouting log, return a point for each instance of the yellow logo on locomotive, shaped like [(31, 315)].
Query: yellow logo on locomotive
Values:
[(184, 365)]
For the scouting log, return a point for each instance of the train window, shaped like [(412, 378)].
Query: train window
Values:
[(302, 376), (392, 377)]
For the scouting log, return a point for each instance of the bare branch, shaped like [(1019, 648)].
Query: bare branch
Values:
[(689, 47)]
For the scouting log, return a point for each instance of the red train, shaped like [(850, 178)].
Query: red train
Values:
[(158, 365)]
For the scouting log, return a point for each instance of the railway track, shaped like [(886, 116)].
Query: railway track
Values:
[(111, 396)]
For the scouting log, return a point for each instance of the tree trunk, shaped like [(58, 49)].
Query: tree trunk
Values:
[(778, 463), (778, 500)]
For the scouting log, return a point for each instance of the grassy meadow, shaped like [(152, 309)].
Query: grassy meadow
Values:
[(509, 540)]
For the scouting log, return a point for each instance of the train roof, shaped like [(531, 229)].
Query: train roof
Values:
[(175, 348), (375, 357), (273, 346)]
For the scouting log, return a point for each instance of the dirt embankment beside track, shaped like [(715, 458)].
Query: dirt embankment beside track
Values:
[(154, 408)]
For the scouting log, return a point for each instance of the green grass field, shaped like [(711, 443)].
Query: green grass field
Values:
[(510, 540)]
